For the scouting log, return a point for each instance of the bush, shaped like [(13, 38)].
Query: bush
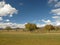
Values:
[(49, 27), (8, 28), (30, 26)]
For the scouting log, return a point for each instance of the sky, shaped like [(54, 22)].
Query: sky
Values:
[(17, 13)]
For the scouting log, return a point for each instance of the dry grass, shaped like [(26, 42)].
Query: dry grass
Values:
[(28, 38)]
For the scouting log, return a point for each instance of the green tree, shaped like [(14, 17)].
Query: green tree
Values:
[(8, 28), (30, 26), (49, 27)]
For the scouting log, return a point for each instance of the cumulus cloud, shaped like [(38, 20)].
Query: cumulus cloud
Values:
[(12, 25), (7, 9), (55, 17), (1, 18), (11, 15), (56, 11), (58, 4), (41, 25), (47, 21), (58, 24), (7, 20), (52, 1)]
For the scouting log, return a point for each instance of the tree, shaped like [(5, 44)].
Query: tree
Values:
[(57, 28), (49, 27), (17, 28), (30, 26), (8, 28)]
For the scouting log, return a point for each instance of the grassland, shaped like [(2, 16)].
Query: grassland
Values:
[(27, 38)]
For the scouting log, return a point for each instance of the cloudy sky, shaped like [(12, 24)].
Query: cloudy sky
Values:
[(16, 13)]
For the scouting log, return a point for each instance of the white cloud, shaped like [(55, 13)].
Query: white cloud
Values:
[(6, 9), (2, 3), (58, 4), (11, 15), (1, 18), (12, 25), (7, 20), (56, 11), (55, 17), (47, 21), (52, 1), (41, 25), (57, 23)]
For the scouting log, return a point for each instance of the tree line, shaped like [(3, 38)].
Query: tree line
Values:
[(32, 27)]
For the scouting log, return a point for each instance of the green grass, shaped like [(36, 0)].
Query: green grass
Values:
[(23, 39)]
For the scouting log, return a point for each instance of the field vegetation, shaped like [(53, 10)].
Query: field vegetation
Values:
[(30, 35)]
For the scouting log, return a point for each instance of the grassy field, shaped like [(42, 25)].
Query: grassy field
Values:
[(17, 38)]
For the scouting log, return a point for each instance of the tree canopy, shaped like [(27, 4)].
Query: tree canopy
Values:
[(30, 26), (49, 27)]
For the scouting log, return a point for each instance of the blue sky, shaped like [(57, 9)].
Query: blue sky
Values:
[(30, 11), (40, 12)]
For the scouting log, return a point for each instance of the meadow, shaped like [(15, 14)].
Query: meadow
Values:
[(27, 38)]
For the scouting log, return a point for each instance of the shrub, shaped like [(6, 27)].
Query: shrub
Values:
[(30, 26), (49, 27), (8, 28)]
